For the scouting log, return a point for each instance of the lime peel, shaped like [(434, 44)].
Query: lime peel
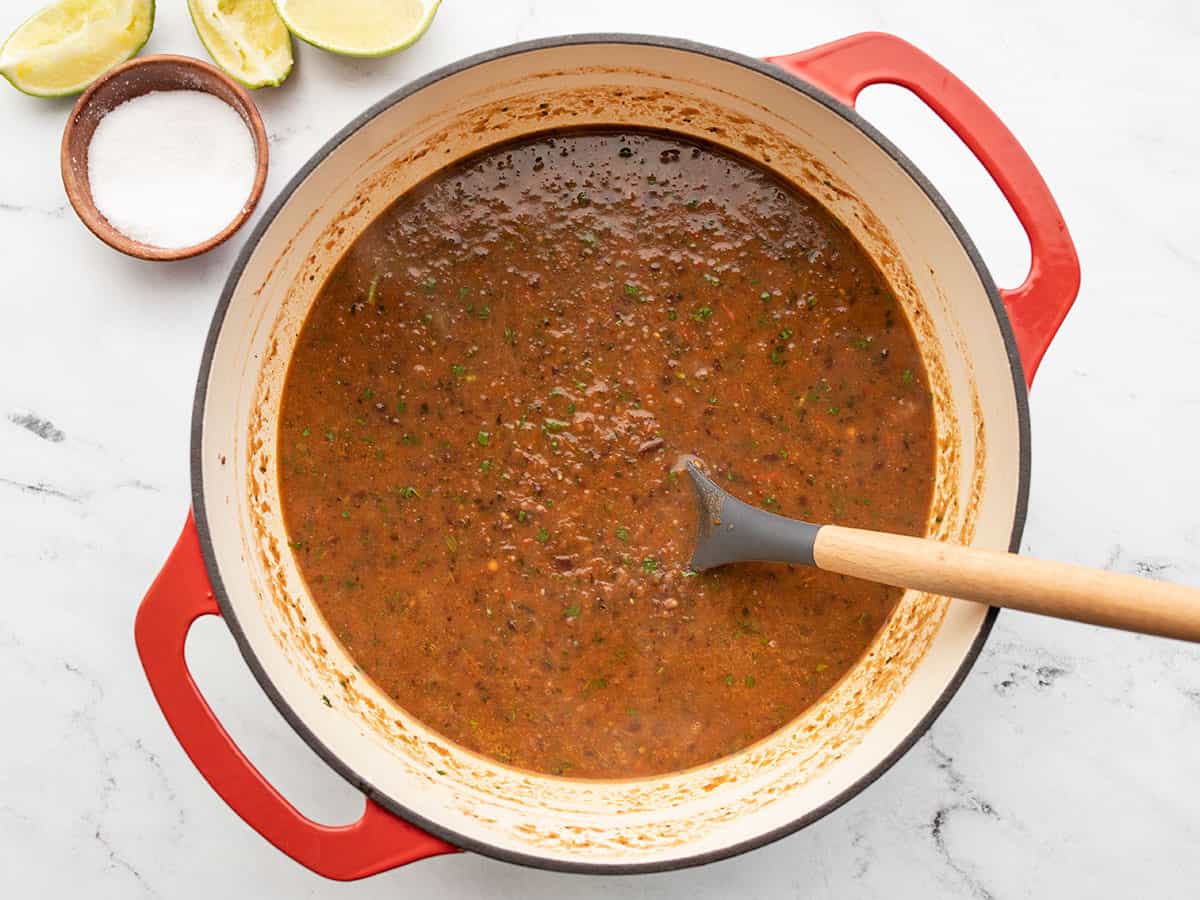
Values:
[(358, 27), (246, 38), (64, 47)]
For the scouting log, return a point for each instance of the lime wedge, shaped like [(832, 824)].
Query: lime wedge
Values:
[(69, 44), (246, 38), (358, 27)]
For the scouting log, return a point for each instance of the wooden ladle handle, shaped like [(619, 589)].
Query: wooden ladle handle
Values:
[(1016, 582), (731, 530)]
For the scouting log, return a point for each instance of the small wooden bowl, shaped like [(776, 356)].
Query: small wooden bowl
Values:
[(133, 79)]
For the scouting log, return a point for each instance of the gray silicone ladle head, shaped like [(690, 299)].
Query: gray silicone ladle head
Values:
[(731, 531)]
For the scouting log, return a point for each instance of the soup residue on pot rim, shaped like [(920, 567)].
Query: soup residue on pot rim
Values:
[(479, 424)]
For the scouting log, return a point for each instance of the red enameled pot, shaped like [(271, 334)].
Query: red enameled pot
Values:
[(427, 796)]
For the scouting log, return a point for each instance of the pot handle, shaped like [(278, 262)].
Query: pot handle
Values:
[(179, 595), (1036, 308)]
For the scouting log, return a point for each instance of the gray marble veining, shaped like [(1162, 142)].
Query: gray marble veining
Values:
[(1066, 767)]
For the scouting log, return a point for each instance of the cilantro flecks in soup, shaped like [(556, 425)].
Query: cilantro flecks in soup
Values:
[(482, 412)]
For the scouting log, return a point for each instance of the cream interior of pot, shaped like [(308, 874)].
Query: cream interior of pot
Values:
[(836, 743)]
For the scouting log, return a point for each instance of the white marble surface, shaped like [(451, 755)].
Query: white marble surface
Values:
[(1069, 763)]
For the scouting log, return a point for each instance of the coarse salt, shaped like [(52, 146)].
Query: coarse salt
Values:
[(171, 168)]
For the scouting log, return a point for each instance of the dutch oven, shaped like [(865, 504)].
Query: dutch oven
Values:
[(425, 796)]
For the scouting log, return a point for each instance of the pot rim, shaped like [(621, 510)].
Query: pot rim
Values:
[(306, 734)]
